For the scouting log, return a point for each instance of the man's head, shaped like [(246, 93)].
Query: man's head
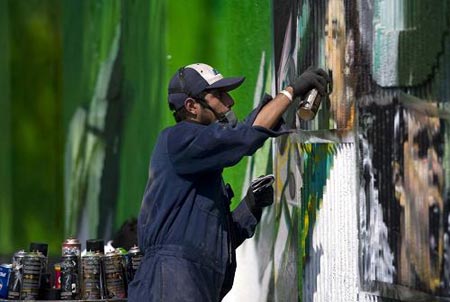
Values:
[(199, 92)]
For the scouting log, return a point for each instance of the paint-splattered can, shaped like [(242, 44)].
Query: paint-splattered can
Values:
[(32, 269), (70, 280), (16, 278), (114, 276), (5, 274), (71, 246), (91, 264), (135, 257)]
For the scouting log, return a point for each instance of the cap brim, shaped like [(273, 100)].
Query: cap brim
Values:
[(226, 84)]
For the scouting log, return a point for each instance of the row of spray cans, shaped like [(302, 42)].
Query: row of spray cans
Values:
[(92, 276), (95, 275)]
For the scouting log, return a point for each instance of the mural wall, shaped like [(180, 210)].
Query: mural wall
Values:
[(362, 191)]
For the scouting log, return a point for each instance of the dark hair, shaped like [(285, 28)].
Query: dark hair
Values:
[(126, 236), (182, 114)]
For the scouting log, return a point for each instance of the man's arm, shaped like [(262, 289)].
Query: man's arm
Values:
[(271, 113)]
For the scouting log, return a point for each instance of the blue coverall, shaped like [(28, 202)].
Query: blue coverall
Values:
[(185, 228)]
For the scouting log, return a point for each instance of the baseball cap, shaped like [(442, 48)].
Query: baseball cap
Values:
[(191, 80)]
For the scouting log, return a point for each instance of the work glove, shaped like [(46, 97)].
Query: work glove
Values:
[(260, 199), (312, 78)]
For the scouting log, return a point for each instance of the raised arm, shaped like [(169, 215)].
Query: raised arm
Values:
[(271, 113)]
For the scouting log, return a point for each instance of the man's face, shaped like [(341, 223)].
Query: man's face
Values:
[(220, 101), (423, 206)]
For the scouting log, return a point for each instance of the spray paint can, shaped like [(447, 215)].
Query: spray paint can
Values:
[(70, 280), (16, 278), (309, 106), (32, 270), (70, 273), (125, 263), (91, 264), (115, 279), (97, 246), (5, 274), (57, 269), (45, 275), (43, 249), (135, 257)]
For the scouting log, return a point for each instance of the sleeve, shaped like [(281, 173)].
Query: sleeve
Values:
[(279, 129), (244, 221), (200, 148)]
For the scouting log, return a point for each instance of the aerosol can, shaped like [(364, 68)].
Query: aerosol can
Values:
[(309, 106)]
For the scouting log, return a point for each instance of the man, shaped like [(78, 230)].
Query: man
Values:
[(185, 228)]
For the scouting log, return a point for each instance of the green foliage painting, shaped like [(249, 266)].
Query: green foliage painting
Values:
[(84, 98)]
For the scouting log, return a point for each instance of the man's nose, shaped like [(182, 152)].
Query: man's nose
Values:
[(227, 100)]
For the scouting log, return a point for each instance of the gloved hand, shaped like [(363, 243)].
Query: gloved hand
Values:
[(260, 199), (311, 78)]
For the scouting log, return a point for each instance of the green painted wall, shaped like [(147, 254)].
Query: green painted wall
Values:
[(56, 51), (32, 119), (5, 130)]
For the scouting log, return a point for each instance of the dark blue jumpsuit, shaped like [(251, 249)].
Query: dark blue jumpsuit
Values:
[(185, 228)]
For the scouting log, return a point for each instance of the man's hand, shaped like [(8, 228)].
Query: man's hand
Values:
[(312, 78), (260, 199)]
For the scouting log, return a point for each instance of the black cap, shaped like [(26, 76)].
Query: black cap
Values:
[(193, 79), (39, 247), (95, 245)]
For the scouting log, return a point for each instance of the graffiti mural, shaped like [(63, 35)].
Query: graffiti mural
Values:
[(406, 177), (372, 168)]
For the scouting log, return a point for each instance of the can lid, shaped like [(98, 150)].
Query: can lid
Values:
[(39, 247), (134, 249), (71, 240), (20, 253), (113, 253), (95, 245)]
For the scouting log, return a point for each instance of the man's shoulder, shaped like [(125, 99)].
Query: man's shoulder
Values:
[(182, 131), (185, 126)]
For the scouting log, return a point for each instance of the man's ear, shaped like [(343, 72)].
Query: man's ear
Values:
[(191, 106)]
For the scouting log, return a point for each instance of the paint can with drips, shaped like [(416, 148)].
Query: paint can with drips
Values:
[(32, 269), (309, 106), (16, 278), (70, 280), (114, 276), (135, 257), (91, 264)]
